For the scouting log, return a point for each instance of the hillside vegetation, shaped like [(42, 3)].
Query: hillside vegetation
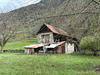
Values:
[(73, 16)]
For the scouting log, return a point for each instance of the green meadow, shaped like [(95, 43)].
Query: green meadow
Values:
[(55, 64), (58, 64), (13, 44)]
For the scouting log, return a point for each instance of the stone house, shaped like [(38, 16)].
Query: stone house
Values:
[(52, 40)]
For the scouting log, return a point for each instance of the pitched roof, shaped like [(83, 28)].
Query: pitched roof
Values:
[(56, 30)]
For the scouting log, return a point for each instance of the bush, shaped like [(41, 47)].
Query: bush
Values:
[(90, 43)]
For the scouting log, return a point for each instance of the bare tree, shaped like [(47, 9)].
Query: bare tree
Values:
[(8, 29)]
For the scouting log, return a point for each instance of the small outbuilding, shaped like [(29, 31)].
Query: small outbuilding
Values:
[(52, 40)]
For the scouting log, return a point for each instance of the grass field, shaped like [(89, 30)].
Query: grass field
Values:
[(18, 45), (61, 64)]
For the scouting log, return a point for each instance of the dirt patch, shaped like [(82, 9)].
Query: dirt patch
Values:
[(97, 70)]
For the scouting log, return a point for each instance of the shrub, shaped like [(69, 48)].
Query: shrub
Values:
[(91, 43)]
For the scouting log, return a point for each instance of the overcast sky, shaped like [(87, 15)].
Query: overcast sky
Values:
[(8, 5)]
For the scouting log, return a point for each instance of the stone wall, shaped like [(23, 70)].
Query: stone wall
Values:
[(14, 51), (69, 48)]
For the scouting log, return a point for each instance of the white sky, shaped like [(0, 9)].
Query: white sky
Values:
[(8, 5)]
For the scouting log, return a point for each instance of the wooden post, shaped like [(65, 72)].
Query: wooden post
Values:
[(30, 51)]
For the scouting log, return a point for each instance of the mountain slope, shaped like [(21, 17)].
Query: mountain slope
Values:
[(73, 16)]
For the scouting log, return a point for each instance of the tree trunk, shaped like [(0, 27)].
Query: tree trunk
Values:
[(2, 48), (95, 53)]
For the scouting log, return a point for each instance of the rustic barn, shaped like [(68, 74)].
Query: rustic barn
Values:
[(51, 40)]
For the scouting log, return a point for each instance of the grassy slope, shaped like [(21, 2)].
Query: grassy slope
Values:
[(18, 64), (18, 45)]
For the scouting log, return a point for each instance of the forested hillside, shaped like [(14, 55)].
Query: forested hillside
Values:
[(76, 17)]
